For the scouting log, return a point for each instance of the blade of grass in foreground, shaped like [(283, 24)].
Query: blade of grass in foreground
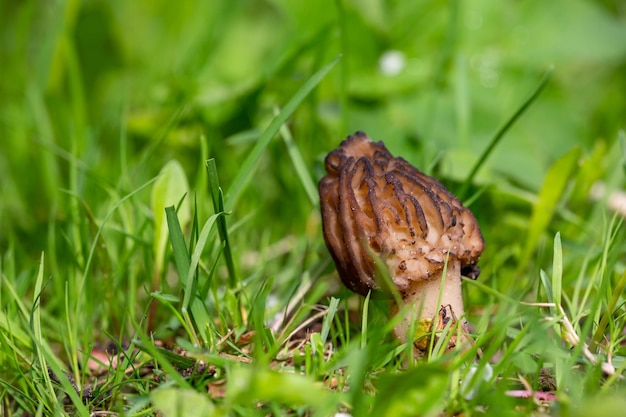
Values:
[(328, 318), (249, 165), (35, 323), (187, 271), (557, 273), (616, 293), (179, 249), (195, 257), (557, 291), (500, 133), (218, 207), (46, 359), (298, 164), (551, 192), (181, 259)]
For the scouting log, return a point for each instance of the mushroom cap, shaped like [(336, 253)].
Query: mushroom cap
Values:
[(375, 204)]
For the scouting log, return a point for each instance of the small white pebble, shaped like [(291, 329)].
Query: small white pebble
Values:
[(392, 63), (343, 415)]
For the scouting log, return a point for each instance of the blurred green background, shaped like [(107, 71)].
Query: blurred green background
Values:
[(116, 88)]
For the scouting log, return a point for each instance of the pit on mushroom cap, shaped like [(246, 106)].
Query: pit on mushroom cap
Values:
[(373, 203)]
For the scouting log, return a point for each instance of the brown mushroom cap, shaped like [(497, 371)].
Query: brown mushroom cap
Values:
[(407, 218)]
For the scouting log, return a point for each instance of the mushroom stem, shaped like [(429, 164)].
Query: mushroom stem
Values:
[(424, 308)]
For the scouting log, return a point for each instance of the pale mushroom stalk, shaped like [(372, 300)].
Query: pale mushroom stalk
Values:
[(422, 305), (377, 206)]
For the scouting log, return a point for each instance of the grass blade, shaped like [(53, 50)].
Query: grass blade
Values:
[(298, 164), (551, 192), (557, 272), (181, 259), (181, 256), (328, 318), (218, 207), (365, 320), (557, 287), (35, 323), (170, 185), (249, 165), (500, 133), (616, 293), (195, 257)]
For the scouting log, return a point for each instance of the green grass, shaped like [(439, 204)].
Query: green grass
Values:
[(158, 168)]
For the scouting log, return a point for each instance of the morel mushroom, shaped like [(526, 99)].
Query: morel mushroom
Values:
[(375, 205)]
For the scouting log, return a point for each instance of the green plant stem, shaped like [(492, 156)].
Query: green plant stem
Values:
[(604, 321)]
